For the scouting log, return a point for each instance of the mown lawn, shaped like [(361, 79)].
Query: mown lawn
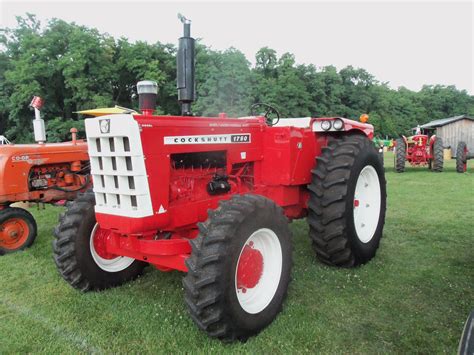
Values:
[(413, 297)]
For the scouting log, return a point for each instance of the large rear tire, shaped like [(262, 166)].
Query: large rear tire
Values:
[(438, 155), (347, 202), (78, 254), (461, 157), (18, 230), (400, 155), (239, 268)]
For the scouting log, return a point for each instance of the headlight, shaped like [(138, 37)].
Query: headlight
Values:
[(326, 125), (338, 124)]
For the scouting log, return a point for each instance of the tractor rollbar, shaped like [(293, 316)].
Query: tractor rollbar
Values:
[(185, 68)]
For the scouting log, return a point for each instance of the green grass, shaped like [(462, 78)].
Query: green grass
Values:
[(413, 297)]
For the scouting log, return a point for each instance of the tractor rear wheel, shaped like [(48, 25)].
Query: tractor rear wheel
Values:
[(347, 202), (79, 251), (17, 230), (461, 157), (438, 155), (400, 155), (239, 268)]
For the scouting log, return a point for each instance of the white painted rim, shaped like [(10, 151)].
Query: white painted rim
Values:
[(256, 299), (368, 197), (117, 264)]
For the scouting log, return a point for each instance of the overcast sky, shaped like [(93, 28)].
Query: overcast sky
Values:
[(404, 43)]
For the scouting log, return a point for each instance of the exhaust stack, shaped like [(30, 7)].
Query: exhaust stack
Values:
[(38, 123), (185, 68)]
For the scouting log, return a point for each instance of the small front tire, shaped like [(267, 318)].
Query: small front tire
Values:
[(79, 251), (18, 230)]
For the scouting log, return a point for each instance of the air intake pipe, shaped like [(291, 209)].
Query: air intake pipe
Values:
[(185, 68), (38, 122)]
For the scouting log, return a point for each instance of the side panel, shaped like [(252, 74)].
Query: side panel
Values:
[(288, 156), (16, 162)]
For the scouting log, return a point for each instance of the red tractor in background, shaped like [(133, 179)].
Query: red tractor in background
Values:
[(419, 150), (42, 172), (213, 197)]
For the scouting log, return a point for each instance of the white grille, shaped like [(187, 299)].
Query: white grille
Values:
[(118, 166)]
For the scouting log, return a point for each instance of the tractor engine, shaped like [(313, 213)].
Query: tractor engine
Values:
[(57, 176), (199, 175)]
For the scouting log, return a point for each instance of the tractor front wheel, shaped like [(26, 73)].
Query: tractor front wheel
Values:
[(80, 254), (239, 268), (461, 157), (347, 202), (400, 155), (17, 230), (438, 155)]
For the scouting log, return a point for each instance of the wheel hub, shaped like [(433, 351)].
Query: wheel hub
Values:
[(100, 239), (13, 233), (250, 268), (106, 261), (258, 270), (367, 203)]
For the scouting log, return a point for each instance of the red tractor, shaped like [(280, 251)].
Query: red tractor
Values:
[(419, 150), (213, 197)]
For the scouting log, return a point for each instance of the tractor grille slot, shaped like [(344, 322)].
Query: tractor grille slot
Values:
[(118, 168)]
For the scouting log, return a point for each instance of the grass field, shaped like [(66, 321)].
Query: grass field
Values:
[(412, 298)]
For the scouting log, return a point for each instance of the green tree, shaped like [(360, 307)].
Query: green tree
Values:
[(226, 86), (74, 67)]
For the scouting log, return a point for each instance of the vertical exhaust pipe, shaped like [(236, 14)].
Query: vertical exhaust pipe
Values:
[(38, 123), (185, 68)]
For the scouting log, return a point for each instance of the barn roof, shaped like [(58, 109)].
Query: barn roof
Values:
[(445, 121)]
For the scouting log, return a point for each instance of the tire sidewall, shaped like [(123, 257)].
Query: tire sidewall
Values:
[(364, 251), (260, 219)]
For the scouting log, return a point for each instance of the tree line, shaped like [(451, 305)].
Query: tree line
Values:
[(74, 68)]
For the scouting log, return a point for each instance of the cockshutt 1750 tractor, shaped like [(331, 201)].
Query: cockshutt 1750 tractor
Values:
[(213, 196), (42, 172), (419, 150)]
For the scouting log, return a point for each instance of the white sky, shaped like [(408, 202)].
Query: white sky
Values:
[(404, 43)]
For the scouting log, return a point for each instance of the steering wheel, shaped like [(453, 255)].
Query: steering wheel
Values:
[(271, 114)]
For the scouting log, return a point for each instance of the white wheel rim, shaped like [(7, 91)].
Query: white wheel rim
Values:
[(117, 264), (255, 299), (367, 202)]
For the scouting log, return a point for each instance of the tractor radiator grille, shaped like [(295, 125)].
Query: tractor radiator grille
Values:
[(118, 167)]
